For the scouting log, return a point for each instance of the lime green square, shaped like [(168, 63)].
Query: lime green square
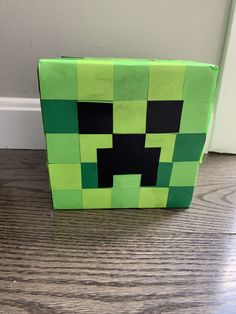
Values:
[(125, 198), (195, 117), (89, 175), (129, 117), (153, 197), (131, 80), (165, 141), (200, 83), (89, 143), (63, 148), (188, 147), (97, 198), (95, 79), (166, 81), (184, 173), (60, 116), (164, 174), (67, 199), (65, 176), (127, 181), (58, 79), (180, 197)]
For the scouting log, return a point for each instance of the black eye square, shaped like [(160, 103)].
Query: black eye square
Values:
[(95, 118), (164, 116)]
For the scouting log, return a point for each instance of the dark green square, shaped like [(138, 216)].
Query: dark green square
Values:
[(60, 116), (164, 174), (180, 197), (188, 147), (89, 175)]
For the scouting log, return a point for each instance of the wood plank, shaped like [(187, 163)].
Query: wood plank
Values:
[(116, 261)]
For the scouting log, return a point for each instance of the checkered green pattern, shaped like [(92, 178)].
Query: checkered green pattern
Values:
[(128, 84)]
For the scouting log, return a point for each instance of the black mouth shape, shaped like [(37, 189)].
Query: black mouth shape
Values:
[(128, 156)]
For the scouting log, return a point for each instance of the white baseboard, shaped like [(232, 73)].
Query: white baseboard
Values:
[(209, 133), (21, 123)]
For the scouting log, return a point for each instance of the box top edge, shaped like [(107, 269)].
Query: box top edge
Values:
[(160, 61)]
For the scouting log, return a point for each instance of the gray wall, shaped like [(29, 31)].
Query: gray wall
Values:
[(33, 29)]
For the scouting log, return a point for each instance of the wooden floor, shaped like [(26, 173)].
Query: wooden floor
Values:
[(116, 261)]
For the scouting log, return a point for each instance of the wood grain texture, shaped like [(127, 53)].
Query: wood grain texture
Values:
[(116, 261)]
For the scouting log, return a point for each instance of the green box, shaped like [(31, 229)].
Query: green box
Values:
[(137, 136)]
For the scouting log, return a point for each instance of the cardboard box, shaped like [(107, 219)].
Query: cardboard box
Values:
[(124, 133)]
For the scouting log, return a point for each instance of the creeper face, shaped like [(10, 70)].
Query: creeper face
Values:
[(124, 133)]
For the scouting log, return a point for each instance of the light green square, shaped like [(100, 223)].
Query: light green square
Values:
[(166, 81), (67, 199), (97, 198), (58, 79), (165, 141), (200, 83), (89, 143), (125, 198), (95, 80), (153, 197), (131, 80), (127, 181), (65, 176), (129, 117), (195, 117), (63, 148), (184, 173)]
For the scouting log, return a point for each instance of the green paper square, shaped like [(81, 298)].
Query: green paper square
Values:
[(131, 81), (65, 176), (165, 141), (89, 175), (67, 199), (135, 110), (60, 116), (180, 197), (89, 143), (126, 181), (97, 198), (184, 173), (153, 197), (188, 147), (200, 83), (166, 81), (195, 117), (164, 174), (63, 148), (125, 198), (58, 79), (95, 80)]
